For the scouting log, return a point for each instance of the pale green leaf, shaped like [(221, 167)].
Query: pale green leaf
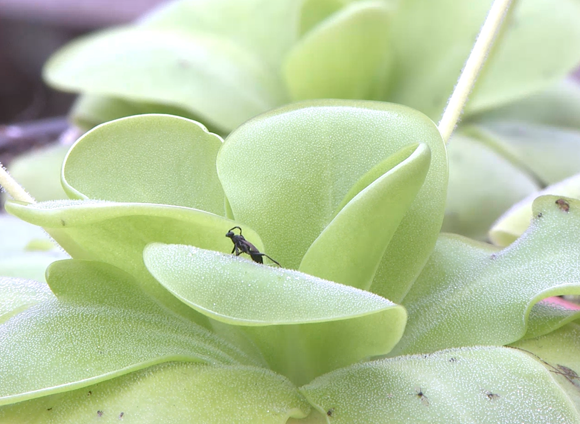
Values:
[(469, 385), (345, 57), (284, 311), (473, 294), (316, 11), (286, 172), (350, 248), (559, 352), (483, 183), (240, 292), (39, 171), (101, 326), (17, 295), (117, 233), (148, 159), (267, 29), (432, 40), (25, 250), (516, 220), (549, 315), (169, 394), (203, 74)]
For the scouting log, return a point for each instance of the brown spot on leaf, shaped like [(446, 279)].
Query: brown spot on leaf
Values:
[(121, 414), (563, 205), (89, 393)]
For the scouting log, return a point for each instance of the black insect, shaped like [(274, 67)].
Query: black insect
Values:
[(241, 245)]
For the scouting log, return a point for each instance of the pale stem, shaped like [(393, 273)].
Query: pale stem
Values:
[(13, 188), (472, 67)]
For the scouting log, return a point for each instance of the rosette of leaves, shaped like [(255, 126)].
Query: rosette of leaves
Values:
[(372, 318), (225, 61)]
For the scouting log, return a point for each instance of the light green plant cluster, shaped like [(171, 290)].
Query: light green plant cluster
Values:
[(374, 316)]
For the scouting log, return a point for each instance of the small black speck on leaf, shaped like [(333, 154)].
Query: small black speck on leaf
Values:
[(493, 256), (453, 359), (491, 396), (89, 393), (49, 409), (100, 413), (62, 222), (330, 412), (540, 215), (563, 205), (121, 414)]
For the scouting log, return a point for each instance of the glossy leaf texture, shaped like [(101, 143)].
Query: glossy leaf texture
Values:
[(511, 73), (168, 393), (550, 314), (559, 352), (112, 328), (279, 304), (347, 56), (206, 75), (349, 250), (127, 160), (305, 158), (479, 384), (472, 294), (25, 250), (117, 233)]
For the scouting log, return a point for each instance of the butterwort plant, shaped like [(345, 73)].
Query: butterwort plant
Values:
[(223, 62), (373, 316)]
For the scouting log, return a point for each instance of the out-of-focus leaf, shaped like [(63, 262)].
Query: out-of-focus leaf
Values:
[(286, 172), (344, 57), (147, 159), (17, 295), (39, 172), (171, 393), (472, 294), (101, 326), (203, 74), (469, 385), (349, 250), (25, 250), (432, 40), (483, 183)]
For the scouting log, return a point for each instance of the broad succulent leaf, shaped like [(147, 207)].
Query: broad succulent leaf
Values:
[(350, 248), (117, 233), (479, 384), (511, 72), (464, 278), (18, 294), (550, 314), (290, 307), (167, 393), (203, 74), (345, 57), (25, 250), (112, 328), (115, 162), (305, 158), (559, 352)]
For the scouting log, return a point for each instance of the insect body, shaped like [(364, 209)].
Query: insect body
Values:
[(241, 245)]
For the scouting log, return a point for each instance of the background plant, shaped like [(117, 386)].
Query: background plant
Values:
[(137, 292)]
